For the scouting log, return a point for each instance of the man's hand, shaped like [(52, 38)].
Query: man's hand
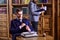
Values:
[(22, 25), (42, 11), (27, 27)]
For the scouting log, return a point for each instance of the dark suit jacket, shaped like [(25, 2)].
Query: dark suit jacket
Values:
[(14, 27)]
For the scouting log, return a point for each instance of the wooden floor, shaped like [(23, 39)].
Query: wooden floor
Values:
[(33, 38)]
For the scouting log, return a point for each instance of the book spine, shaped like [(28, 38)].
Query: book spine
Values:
[(27, 1), (0, 11), (23, 1), (3, 10), (15, 1)]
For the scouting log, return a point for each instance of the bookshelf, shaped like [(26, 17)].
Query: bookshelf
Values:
[(4, 19)]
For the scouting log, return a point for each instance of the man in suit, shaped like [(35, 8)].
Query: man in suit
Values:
[(19, 25)]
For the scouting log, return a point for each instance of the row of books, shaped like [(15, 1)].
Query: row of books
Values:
[(20, 1), (25, 10), (27, 1), (42, 1), (3, 1), (3, 10)]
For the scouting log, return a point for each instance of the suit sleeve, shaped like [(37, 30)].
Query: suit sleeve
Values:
[(13, 27), (29, 24)]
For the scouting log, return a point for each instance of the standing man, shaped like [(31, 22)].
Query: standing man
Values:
[(34, 13)]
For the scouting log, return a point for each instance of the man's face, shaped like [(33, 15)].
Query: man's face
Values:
[(20, 14)]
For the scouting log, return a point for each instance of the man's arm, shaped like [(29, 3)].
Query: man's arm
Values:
[(33, 9), (29, 25), (13, 27), (22, 25), (38, 11)]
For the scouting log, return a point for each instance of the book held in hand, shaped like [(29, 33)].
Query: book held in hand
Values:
[(41, 9)]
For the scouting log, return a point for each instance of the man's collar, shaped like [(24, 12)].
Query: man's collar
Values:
[(18, 18)]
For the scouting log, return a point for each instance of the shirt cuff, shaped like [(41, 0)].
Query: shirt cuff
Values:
[(20, 27)]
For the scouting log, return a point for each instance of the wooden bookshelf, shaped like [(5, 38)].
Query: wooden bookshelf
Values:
[(4, 19)]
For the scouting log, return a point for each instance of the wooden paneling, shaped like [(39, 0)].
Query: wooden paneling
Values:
[(46, 22)]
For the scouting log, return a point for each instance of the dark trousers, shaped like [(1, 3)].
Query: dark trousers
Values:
[(35, 26), (15, 35), (18, 33)]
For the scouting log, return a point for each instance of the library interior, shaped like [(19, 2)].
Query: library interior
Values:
[(49, 21)]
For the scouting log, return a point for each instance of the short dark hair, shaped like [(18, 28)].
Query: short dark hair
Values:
[(33, 1), (17, 10)]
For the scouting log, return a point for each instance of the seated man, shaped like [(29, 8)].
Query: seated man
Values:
[(19, 25)]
